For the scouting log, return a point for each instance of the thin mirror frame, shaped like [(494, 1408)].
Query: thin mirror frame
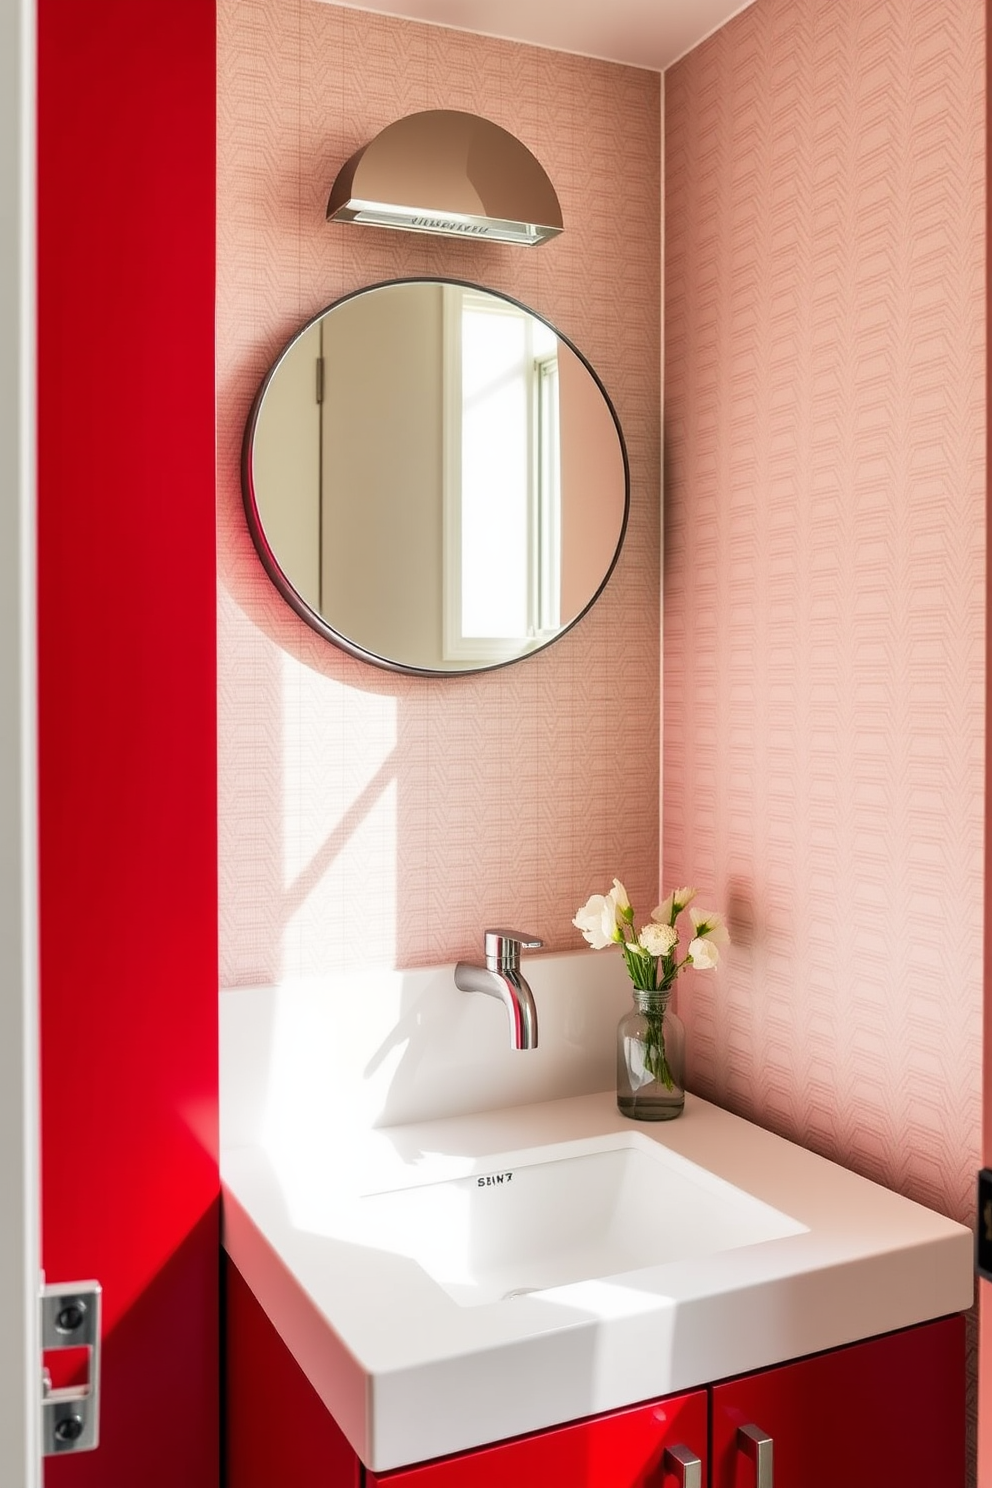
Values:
[(290, 594)]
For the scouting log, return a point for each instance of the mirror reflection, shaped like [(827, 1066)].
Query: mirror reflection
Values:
[(434, 478)]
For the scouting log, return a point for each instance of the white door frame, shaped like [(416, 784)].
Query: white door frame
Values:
[(20, 1249)]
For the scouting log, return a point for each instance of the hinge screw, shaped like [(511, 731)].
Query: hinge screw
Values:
[(71, 1317), (69, 1429)]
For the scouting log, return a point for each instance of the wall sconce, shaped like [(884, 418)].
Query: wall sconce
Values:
[(446, 171)]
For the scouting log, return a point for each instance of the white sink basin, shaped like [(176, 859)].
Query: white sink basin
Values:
[(434, 1307), (520, 1227), (433, 1311)]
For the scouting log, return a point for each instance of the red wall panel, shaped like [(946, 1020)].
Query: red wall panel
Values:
[(127, 678)]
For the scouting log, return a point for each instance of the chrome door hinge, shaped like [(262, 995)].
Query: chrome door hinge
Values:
[(70, 1414)]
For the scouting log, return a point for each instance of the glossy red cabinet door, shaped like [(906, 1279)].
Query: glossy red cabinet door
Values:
[(625, 1449), (881, 1414)]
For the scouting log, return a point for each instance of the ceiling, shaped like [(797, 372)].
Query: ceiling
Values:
[(643, 33)]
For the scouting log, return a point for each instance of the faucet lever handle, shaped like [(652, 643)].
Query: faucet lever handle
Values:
[(503, 948)]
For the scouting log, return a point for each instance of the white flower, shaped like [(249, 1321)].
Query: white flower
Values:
[(597, 919), (658, 940), (710, 926), (711, 932), (619, 896), (608, 919), (673, 905), (703, 954)]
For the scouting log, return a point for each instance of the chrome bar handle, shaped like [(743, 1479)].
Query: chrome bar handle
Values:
[(685, 1467), (503, 948), (758, 1447)]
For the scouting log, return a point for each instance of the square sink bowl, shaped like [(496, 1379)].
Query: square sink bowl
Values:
[(522, 1227)]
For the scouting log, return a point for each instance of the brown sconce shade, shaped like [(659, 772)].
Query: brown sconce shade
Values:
[(446, 171)]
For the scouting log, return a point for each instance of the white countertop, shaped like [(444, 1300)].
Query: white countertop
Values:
[(410, 1374)]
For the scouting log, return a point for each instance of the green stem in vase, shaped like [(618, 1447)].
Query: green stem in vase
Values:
[(655, 1061)]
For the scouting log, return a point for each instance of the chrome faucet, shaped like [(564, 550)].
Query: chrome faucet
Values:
[(500, 977)]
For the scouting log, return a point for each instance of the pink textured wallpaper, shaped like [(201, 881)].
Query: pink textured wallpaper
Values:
[(365, 816), (824, 572)]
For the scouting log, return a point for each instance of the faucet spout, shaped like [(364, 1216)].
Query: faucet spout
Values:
[(501, 977), (512, 991)]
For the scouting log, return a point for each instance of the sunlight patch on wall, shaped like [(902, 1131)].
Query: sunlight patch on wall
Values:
[(339, 824)]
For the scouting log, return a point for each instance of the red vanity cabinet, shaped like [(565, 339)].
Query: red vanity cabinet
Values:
[(630, 1448), (880, 1414), (277, 1432), (884, 1413)]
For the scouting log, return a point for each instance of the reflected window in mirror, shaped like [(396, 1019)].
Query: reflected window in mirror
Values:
[(500, 571), (435, 478)]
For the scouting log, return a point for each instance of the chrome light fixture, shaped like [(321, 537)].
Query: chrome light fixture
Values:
[(446, 171)]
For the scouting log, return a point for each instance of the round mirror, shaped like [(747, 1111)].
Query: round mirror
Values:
[(434, 478)]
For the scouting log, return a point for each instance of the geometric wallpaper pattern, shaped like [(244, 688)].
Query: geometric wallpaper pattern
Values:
[(364, 815), (824, 585)]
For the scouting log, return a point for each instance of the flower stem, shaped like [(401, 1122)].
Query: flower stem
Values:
[(655, 1061)]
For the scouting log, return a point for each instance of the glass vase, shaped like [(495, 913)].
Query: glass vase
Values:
[(651, 1059)]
